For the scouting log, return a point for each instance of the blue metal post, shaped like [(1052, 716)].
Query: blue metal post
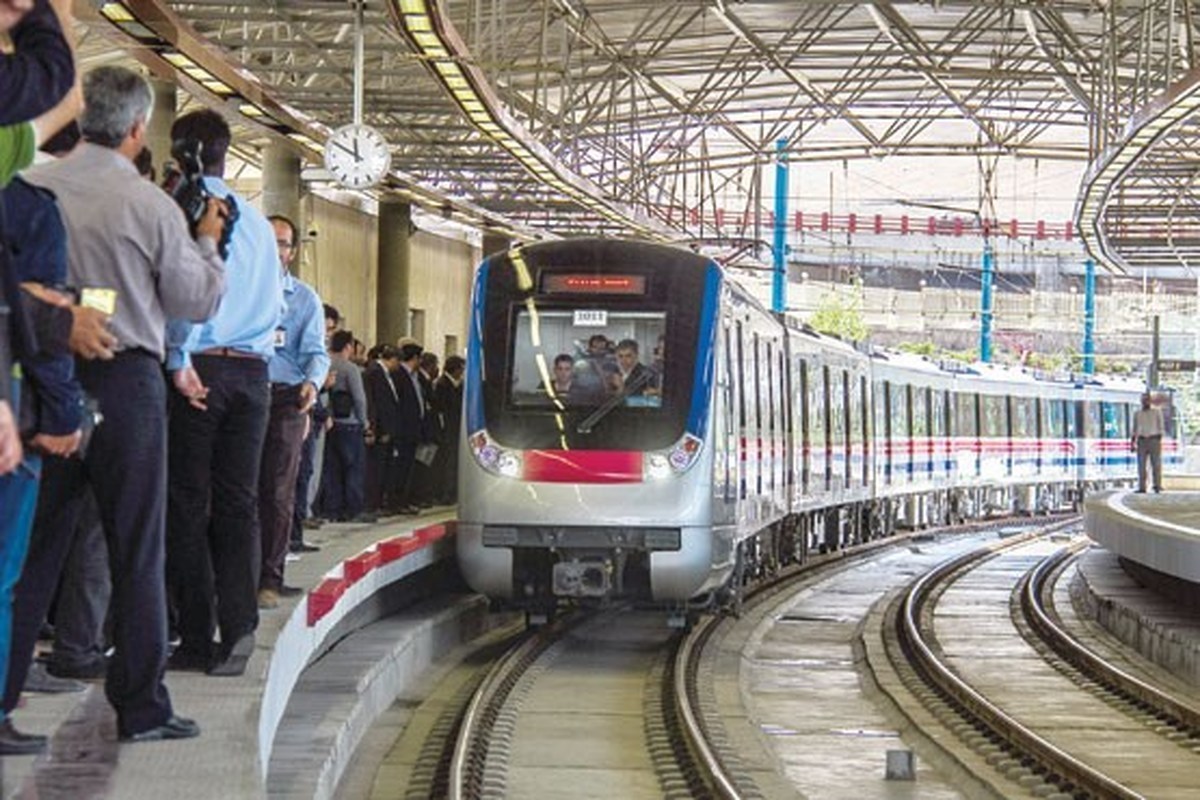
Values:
[(985, 312), (1089, 317), (779, 276)]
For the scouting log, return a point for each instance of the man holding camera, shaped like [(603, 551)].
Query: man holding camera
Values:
[(130, 252), (219, 415)]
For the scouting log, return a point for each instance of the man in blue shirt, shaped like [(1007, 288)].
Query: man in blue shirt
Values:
[(297, 369), (218, 422)]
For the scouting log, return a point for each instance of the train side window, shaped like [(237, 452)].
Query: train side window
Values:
[(1024, 422), (964, 415), (898, 417), (1093, 426), (1112, 413), (937, 413), (994, 415), (920, 410)]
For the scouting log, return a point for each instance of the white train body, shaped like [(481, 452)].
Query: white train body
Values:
[(750, 442)]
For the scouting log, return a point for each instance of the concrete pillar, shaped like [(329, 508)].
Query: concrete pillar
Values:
[(495, 243), (395, 264), (158, 133), (281, 182)]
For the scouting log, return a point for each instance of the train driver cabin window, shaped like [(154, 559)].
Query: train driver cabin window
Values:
[(582, 357)]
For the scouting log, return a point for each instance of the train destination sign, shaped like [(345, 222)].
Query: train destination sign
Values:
[(572, 283), (1176, 365)]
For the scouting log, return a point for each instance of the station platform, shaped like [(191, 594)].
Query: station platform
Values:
[(1143, 583), (361, 574)]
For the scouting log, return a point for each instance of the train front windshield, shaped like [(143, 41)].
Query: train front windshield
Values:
[(585, 357), (601, 358)]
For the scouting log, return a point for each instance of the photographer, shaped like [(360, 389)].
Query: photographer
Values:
[(218, 423), (129, 248)]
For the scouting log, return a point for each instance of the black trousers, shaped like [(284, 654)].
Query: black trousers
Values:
[(277, 482), (308, 453), (125, 468), (213, 548)]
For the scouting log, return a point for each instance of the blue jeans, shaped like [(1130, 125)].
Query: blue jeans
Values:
[(18, 499), (345, 471)]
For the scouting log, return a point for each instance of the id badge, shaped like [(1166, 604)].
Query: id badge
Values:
[(103, 300), (280, 338)]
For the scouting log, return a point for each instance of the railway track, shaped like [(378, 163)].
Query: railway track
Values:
[(990, 659)]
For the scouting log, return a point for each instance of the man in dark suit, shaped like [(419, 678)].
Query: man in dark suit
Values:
[(383, 414), (448, 398), (412, 429), (637, 380)]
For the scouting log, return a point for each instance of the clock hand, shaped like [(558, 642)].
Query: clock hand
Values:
[(356, 155), (347, 150)]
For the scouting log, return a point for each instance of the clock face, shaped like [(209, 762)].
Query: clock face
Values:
[(358, 156)]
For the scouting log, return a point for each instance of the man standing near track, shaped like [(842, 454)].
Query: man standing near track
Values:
[(1147, 433)]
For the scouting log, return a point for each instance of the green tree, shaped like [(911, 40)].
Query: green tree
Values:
[(840, 314)]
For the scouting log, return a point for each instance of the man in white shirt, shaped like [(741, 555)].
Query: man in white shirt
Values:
[(1147, 433)]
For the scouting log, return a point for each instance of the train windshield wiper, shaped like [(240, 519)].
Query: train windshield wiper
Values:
[(603, 411)]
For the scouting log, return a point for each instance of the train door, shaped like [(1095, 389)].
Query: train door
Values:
[(1040, 427), (827, 426), (901, 434), (785, 403), (773, 461), (886, 450), (920, 434), (729, 420), (847, 418), (1024, 435), (964, 445), (805, 428), (756, 418), (939, 431), (993, 440), (742, 421), (864, 410)]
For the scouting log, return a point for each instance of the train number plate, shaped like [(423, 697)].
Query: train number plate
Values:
[(591, 318)]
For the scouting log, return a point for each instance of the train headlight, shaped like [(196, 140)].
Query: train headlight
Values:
[(677, 460), (494, 458)]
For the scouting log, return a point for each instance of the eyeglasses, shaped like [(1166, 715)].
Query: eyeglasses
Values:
[(281, 243)]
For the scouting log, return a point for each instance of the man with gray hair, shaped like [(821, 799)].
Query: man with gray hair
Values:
[(131, 254)]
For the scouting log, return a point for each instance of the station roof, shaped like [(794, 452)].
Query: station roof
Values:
[(569, 116)]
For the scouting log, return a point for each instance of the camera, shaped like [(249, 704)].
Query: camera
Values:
[(184, 181)]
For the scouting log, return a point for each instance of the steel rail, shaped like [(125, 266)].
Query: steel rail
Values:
[(971, 702), (1034, 608), (710, 765)]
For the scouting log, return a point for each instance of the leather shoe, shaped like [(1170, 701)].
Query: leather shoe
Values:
[(89, 670), (174, 728), (15, 743), (303, 547), (233, 663), (289, 591), (186, 660), (38, 679), (268, 599)]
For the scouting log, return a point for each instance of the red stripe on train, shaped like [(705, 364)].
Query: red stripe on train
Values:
[(583, 466)]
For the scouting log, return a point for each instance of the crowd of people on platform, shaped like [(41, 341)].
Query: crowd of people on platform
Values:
[(169, 390)]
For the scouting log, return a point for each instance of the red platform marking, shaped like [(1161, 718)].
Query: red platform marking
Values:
[(354, 568), (322, 599), (397, 547)]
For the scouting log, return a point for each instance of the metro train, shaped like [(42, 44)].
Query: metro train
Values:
[(719, 441)]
